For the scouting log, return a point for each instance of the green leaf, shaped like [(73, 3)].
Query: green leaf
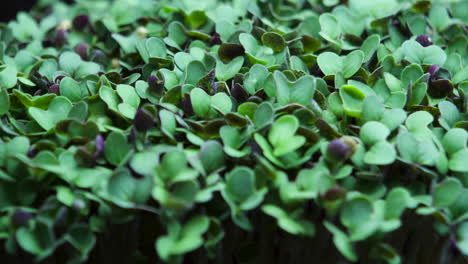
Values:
[(255, 79), (240, 183), (127, 43), (23, 60), (356, 213), (25, 28), (4, 101), (274, 41), (458, 160), (315, 181), (225, 29), (460, 76), (222, 102), (393, 83), (300, 91), (373, 132), (372, 108), (48, 68), (455, 140), (459, 208), (72, 89), (196, 18), (65, 195), (416, 53), (201, 102), (143, 162), (28, 241), (123, 188), (417, 123), (352, 98), (288, 223), (116, 148), (352, 62), (411, 74), (263, 115), (258, 53), (418, 92), (446, 192), (462, 237), (231, 136), (79, 111), (369, 46), (449, 114), (188, 238), (212, 156), (130, 99), (398, 199), (8, 77), (330, 28), (350, 22), (87, 68), (82, 239), (37, 241), (342, 242), (156, 48), (194, 71), (58, 110), (408, 146), (282, 135), (69, 62), (177, 36), (439, 17), (168, 122), (227, 71), (330, 63), (109, 96), (382, 153)]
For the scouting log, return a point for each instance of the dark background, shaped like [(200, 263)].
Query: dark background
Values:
[(12, 7), (9, 10)]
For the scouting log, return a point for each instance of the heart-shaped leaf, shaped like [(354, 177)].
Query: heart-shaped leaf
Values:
[(183, 239), (300, 91), (72, 89), (454, 140), (203, 104), (225, 72), (58, 110), (447, 192), (415, 53), (256, 79), (282, 135), (330, 28), (417, 123), (177, 36), (331, 64), (382, 153), (130, 99)]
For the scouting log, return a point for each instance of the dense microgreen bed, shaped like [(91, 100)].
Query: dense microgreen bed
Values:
[(204, 131)]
